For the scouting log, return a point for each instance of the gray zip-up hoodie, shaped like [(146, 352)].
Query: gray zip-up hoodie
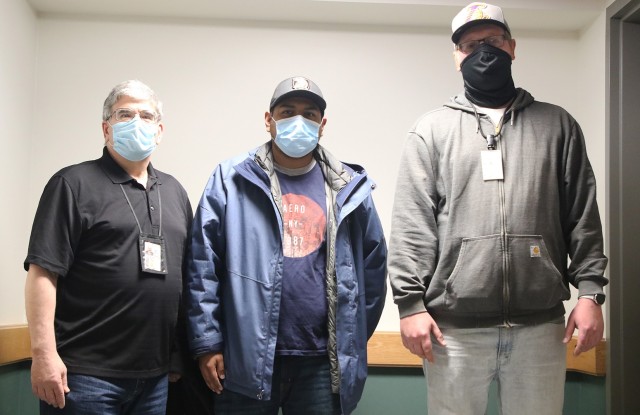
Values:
[(477, 253)]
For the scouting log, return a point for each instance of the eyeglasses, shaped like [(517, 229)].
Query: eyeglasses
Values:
[(470, 46), (127, 114)]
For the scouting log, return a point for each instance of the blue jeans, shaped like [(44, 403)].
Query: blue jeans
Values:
[(91, 395), (527, 362), (301, 385)]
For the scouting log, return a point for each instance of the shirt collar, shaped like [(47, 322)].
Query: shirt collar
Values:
[(117, 173)]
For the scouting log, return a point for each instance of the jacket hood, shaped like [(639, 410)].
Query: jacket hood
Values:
[(460, 101), (339, 174)]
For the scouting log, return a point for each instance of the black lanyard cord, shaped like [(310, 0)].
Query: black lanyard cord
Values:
[(134, 213), (491, 138)]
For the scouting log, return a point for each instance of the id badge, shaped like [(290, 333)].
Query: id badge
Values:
[(492, 165), (153, 254)]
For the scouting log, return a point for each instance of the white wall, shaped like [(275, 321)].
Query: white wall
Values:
[(592, 59), (216, 81), (17, 84), (592, 90)]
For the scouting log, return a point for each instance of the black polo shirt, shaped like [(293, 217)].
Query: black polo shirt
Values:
[(112, 319)]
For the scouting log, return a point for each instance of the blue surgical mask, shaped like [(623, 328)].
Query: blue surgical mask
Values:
[(297, 136), (134, 140)]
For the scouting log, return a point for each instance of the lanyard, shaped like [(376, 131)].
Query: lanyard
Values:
[(134, 213), (490, 138)]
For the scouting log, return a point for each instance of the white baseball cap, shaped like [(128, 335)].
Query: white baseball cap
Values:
[(475, 14)]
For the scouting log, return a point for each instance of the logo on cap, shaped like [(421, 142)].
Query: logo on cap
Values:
[(476, 12), (300, 83)]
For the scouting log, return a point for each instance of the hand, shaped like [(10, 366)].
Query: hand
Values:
[(416, 332), (212, 369), (49, 379), (174, 377), (587, 318)]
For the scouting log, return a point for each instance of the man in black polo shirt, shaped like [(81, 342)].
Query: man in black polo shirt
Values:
[(105, 266)]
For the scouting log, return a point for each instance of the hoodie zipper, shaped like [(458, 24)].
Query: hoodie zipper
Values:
[(505, 255), (506, 294), (494, 144)]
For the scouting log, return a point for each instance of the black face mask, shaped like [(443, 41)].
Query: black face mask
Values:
[(487, 77)]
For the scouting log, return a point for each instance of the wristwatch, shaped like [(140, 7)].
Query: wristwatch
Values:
[(596, 298)]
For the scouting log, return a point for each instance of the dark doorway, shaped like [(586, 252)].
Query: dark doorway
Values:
[(623, 206)]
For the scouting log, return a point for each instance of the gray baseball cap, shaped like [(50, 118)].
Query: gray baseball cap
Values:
[(298, 86)]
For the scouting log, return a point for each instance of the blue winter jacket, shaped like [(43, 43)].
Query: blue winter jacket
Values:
[(234, 280)]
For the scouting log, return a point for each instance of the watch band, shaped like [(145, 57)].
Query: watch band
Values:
[(596, 298)]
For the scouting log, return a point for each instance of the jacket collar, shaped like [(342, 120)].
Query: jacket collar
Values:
[(522, 100), (337, 174)]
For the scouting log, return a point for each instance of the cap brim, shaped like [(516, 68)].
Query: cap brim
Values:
[(458, 33), (319, 101)]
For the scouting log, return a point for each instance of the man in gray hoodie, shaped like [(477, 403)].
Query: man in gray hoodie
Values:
[(495, 196)]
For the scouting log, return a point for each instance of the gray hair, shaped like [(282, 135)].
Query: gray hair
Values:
[(134, 89)]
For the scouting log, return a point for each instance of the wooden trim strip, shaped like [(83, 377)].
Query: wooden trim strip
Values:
[(385, 349), (15, 345)]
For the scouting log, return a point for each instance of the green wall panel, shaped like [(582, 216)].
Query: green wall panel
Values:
[(15, 390), (396, 391), (402, 391)]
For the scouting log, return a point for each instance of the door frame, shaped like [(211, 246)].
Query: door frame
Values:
[(623, 228)]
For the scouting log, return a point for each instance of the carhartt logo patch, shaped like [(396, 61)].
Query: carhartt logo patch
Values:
[(534, 250)]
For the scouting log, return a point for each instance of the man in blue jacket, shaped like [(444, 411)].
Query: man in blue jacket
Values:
[(287, 271)]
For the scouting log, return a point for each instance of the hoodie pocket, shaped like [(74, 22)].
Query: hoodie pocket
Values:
[(535, 283), (476, 282)]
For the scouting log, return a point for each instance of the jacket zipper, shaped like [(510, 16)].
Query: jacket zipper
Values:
[(278, 201)]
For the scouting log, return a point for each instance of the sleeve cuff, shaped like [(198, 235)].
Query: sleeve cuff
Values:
[(588, 287), (412, 308)]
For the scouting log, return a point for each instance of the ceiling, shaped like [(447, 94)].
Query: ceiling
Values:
[(555, 15)]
